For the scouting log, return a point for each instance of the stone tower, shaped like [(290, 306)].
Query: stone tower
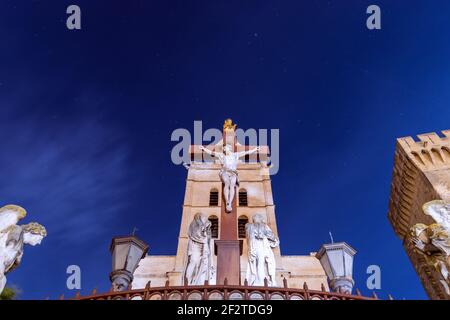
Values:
[(421, 174), (253, 196)]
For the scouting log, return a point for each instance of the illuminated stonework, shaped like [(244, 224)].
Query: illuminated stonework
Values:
[(421, 174), (253, 196), (217, 245)]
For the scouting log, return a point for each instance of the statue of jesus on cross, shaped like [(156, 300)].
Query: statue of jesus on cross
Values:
[(228, 174)]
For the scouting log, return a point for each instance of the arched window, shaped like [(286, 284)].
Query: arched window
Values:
[(214, 198), (243, 198), (242, 221), (214, 227)]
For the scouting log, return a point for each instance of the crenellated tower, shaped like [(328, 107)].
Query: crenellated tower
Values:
[(421, 174)]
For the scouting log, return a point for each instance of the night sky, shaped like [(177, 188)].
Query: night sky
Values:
[(86, 119)]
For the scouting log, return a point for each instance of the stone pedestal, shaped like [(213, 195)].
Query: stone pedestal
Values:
[(228, 247), (228, 261)]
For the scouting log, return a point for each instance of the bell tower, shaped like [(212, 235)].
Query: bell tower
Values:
[(253, 195), (204, 193)]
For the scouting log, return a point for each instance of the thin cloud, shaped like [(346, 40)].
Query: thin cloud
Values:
[(71, 178)]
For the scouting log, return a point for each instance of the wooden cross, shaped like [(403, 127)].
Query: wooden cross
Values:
[(228, 245)]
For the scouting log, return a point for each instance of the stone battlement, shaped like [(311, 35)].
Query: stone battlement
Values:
[(430, 151), (426, 139)]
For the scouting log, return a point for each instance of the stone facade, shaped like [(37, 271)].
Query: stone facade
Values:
[(421, 174), (255, 179)]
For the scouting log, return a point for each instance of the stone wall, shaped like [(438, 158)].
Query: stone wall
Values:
[(421, 174)]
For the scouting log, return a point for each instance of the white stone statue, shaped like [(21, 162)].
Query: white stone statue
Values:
[(261, 260), (199, 266), (434, 240), (228, 174), (13, 237), (439, 210)]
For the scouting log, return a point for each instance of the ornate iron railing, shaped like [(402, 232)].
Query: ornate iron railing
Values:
[(222, 292)]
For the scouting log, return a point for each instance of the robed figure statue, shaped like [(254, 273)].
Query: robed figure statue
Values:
[(199, 266), (261, 260)]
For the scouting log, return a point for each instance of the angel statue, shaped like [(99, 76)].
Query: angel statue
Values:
[(228, 174), (199, 266), (434, 239), (13, 237), (261, 260)]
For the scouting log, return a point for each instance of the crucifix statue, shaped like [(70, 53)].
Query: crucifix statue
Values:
[(228, 152), (228, 174)]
